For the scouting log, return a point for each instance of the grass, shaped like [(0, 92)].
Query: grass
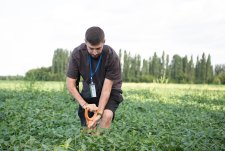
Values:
[(42, 116)]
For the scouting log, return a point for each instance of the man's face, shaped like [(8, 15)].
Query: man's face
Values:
[(94, 50)]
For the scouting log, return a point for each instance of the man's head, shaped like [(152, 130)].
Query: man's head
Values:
[(94, 39), (94, 35)]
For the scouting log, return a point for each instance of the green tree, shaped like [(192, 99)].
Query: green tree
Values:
[(198, 71), (177, 69), (60, 62), (209, 70), (156, 66), (219, 68), (163, 65), (138, 67), (203, 69), (132, 71), (39, 74), (167, 66), (191, 71), (185, 68), (126, 66), (219, 74), (145, 67), (150, 71)]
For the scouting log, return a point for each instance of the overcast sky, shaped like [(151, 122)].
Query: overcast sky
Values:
[(30, 30)]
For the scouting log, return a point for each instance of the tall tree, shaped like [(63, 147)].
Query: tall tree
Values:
[(203, 69), (145, 68), (191, 71), (150, 66), (126, 66), (133, 71), (177, 69), (209, 70), (197, 71), (156, 66), (185, 68), (60, 62), (163, 65), (138, 67), (167, 66)]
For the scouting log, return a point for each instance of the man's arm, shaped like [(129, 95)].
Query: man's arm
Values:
[(70, 83), (105, 94)]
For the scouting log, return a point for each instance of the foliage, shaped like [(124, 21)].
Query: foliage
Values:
[(147, 78), (54, 73), (161, 80), (60, 62), (220, 78), (151, 117), (180, 70), (17, 77), (219, 68), (39, 74), (177, 69)]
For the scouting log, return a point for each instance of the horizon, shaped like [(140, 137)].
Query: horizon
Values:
[(132, 55)]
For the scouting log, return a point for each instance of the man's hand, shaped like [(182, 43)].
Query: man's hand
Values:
[(95, 121), (91, 107)]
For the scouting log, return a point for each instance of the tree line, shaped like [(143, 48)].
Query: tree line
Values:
[(179, 70), (56, 72), (157, 68)]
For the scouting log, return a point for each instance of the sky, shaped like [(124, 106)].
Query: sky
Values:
[(31, 30)]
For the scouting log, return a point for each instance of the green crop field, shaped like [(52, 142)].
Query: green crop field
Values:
[(42, 116)]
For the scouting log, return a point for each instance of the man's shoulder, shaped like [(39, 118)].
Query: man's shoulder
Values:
[(80, 47), (111, 52), (109, 49)]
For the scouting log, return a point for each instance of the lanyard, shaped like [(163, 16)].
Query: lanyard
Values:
[(97, 67)]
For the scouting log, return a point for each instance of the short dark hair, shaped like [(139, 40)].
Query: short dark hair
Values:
[(94, 35)]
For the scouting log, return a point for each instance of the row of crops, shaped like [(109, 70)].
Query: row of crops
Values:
[(151, 117)]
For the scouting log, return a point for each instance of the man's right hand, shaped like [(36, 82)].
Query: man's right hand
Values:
[(91, 107)]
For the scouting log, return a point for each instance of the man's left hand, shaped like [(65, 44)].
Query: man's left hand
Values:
[(95, 121)]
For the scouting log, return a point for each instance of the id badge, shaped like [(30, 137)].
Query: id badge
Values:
[(92, 90)]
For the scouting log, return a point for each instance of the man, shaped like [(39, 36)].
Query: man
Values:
[(99, 67)]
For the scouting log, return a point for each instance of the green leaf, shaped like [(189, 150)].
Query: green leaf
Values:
[(67, 143), (83, 146)]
